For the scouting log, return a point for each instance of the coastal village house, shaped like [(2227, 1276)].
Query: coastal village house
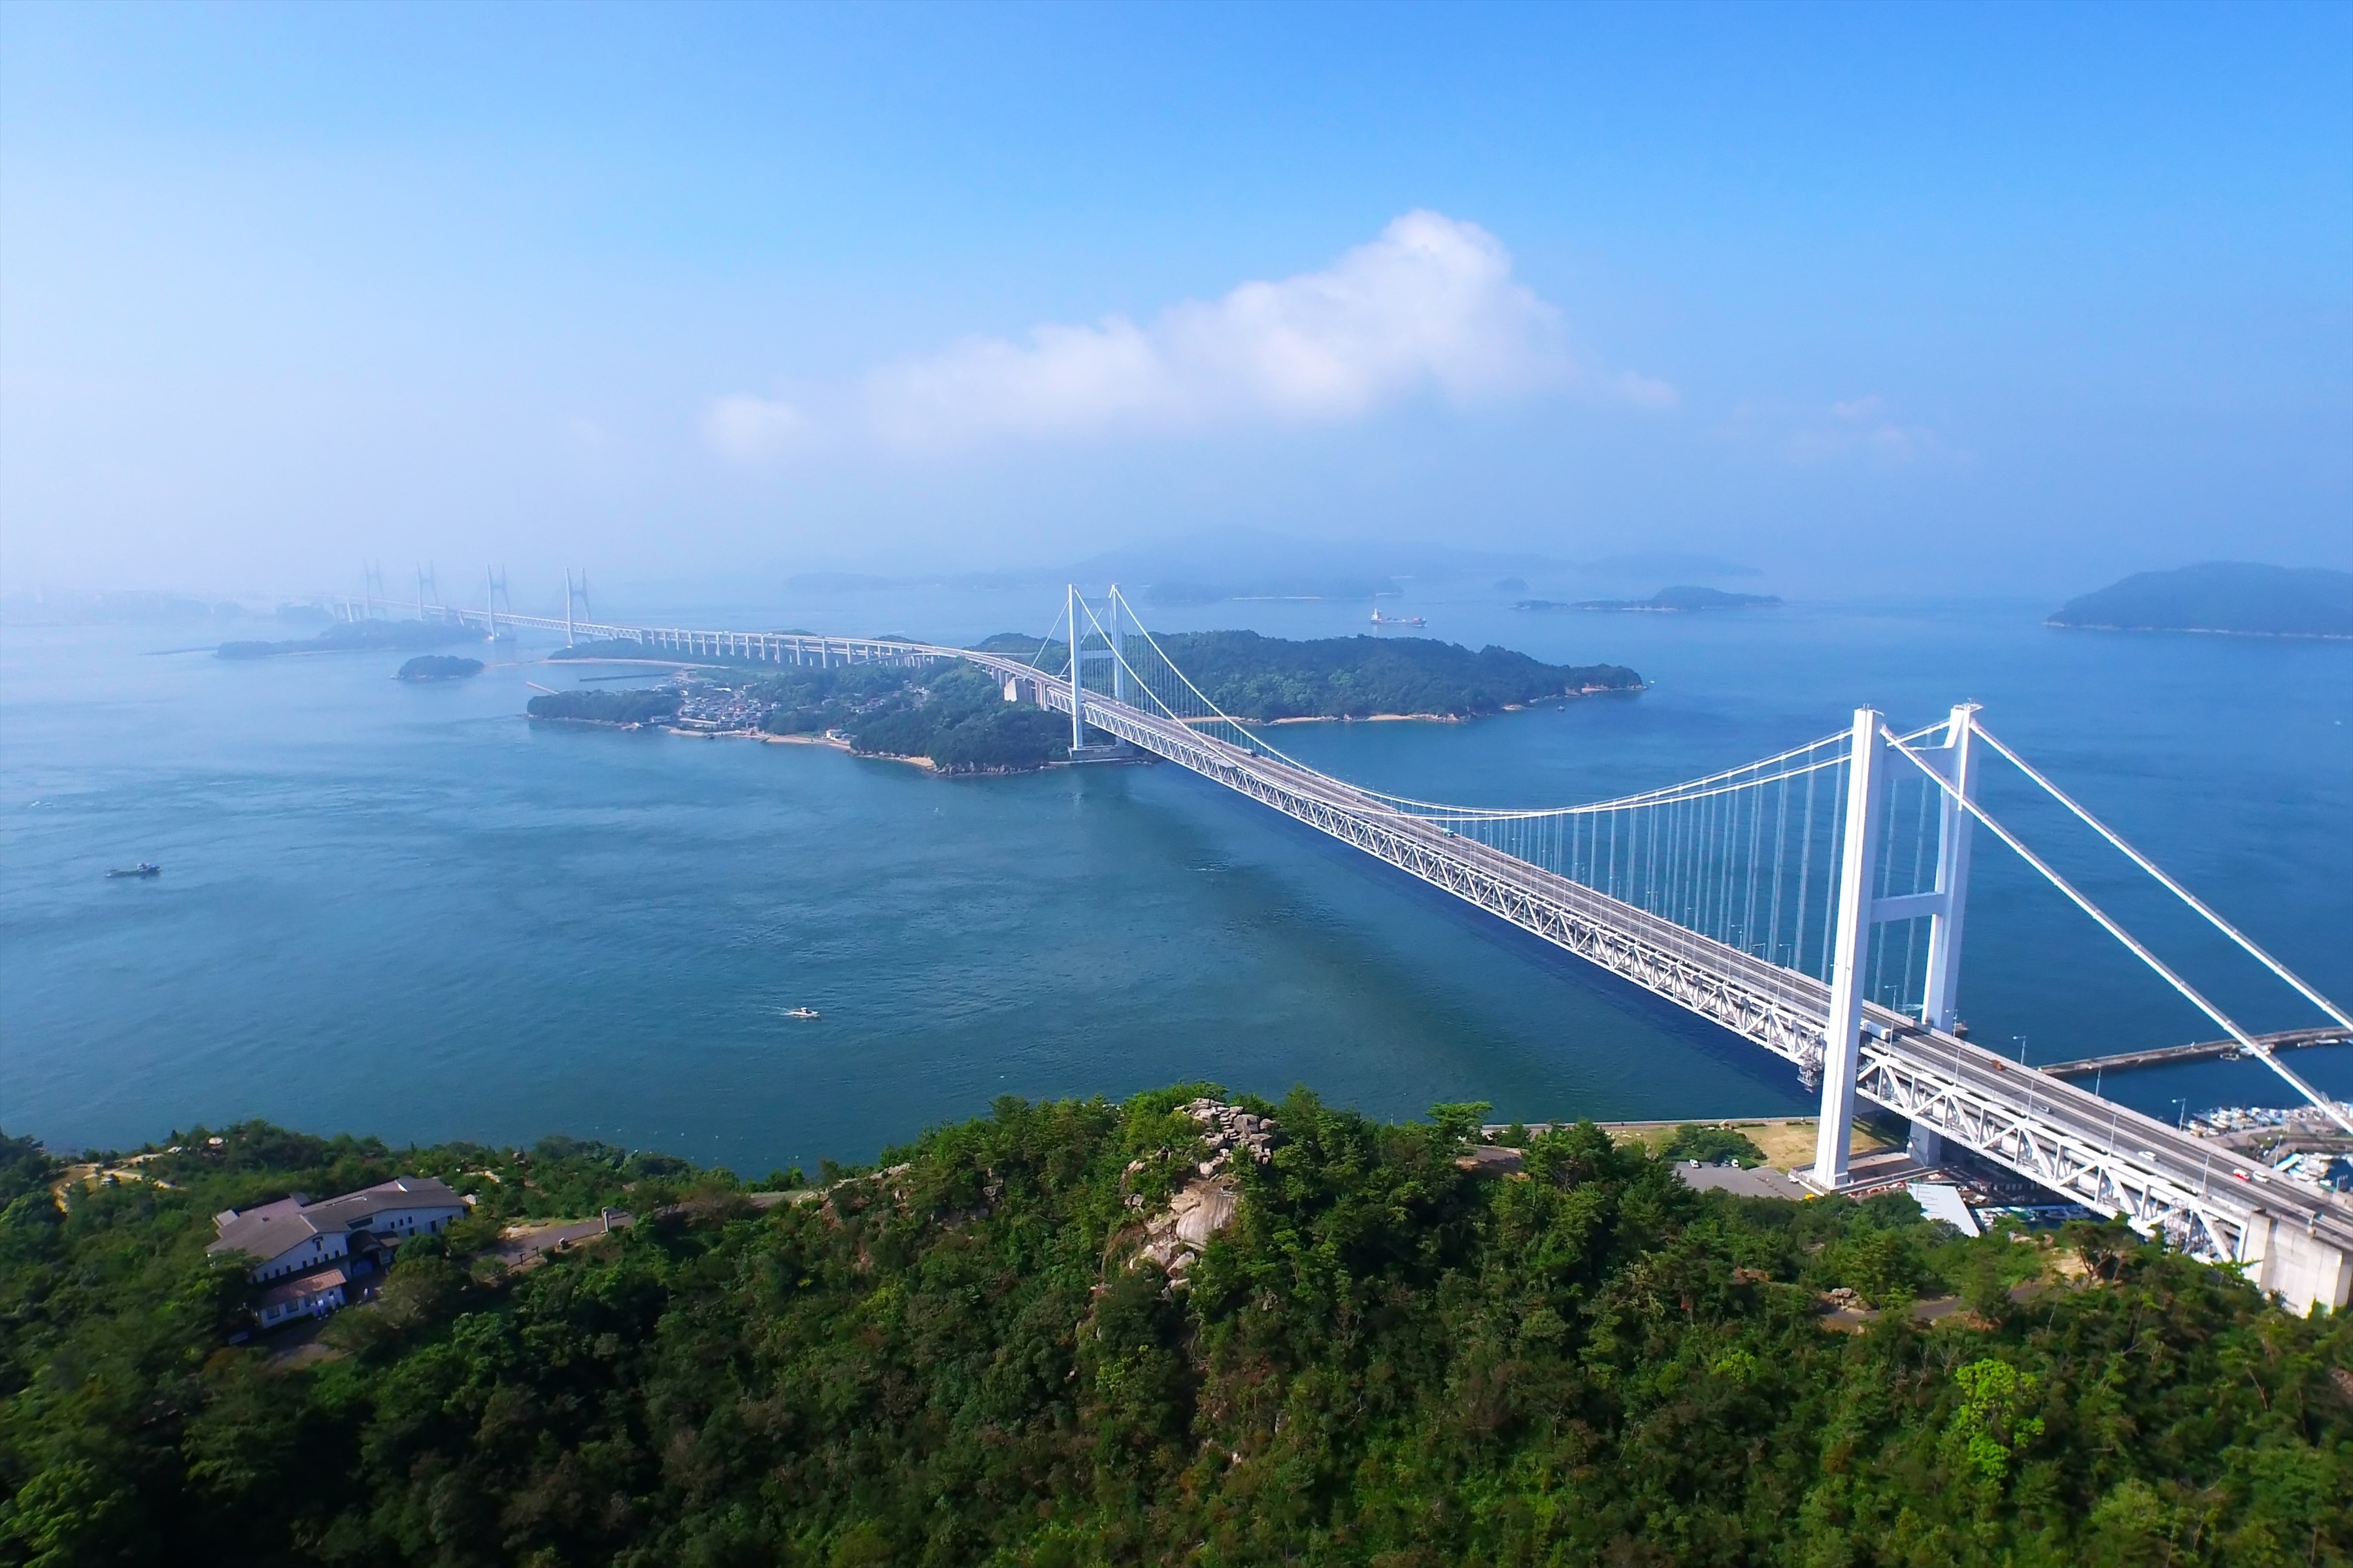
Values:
[(309, 1254)]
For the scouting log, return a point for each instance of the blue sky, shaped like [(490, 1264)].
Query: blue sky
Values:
[(1995, 299)]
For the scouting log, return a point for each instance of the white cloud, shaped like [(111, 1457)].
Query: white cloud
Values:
[(1860, 425), (747, 427), (1429, 306), (1849, 428)]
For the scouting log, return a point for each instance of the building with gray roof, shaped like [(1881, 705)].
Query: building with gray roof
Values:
[(293, 1236)]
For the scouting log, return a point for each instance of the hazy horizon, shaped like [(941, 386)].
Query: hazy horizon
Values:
[(1029, 592), (1952, 301)]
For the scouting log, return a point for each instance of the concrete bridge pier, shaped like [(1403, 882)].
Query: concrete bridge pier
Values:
[(2291, 1261)]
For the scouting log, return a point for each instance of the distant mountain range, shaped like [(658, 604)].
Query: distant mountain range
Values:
[(1666, 601), (1668, 563), (2232, 596), (1241, 563)]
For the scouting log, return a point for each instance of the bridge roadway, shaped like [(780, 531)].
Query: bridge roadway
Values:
[(2292, 1240), (756, 648)]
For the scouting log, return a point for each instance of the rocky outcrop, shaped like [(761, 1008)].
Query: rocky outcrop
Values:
[(1491, 1160), (1206, 1205)]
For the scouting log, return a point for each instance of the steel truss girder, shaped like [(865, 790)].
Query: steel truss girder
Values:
[(2047, 1152), (765, 647)]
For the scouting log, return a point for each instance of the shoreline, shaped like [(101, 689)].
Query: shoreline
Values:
[(1363, 719), (762, 736), (1430, 717), (2197, 631)]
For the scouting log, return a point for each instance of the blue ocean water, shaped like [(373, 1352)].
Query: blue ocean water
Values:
[(404, 910)]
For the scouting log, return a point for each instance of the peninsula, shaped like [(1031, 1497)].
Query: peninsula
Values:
[(1192, 1327), (2238, 597), (951, 716), (358, 636), (619, 710)]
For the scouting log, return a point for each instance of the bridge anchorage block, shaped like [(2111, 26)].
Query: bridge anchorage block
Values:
[(1107, 751)]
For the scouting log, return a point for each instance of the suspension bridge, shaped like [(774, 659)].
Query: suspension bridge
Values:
[(1812, 902)]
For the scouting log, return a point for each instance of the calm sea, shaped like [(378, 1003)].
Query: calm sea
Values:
[(404, 910)]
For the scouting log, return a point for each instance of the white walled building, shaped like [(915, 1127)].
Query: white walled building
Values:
[(308, 1252), (311, 1295)]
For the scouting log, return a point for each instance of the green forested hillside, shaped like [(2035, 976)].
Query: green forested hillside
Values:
[(953, 714), (1262, 677), (956, 714), (639, 705), (1254, 677), (1385, 1361)]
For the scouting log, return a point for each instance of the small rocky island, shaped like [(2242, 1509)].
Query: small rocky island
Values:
[(2237, 597), (1666, 601), (434, 667)]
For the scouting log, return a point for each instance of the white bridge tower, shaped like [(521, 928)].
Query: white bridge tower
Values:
[(1861, 907)]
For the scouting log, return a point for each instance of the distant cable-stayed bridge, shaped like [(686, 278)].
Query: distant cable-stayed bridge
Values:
[(1812, 902)]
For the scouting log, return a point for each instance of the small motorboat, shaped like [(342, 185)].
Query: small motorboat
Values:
[(144, 868), (802, 1013)]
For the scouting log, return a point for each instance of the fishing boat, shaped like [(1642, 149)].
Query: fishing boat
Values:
[(144, 868), (802, 1013)]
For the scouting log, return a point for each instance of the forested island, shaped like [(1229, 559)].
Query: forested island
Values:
[(955, 715), (1667, 601), (358, 636), (1265, 678), (982, 1351), (2234, 596), (439, 666)]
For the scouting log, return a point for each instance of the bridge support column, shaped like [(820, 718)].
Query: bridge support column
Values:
[(1944, 986), (1118, 651), (1078, 674), (1858, 868)]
